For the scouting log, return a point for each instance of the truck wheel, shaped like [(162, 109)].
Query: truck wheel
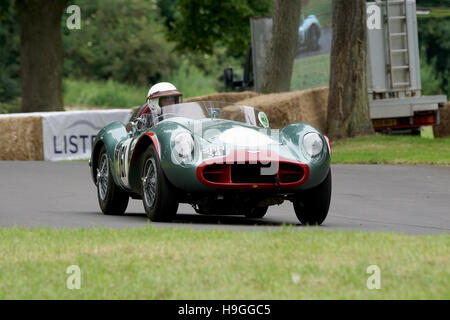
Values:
[(112, 199), (311, 206), (257, 212), (158, 195)]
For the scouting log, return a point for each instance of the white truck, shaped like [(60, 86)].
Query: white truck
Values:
[(393, 71)]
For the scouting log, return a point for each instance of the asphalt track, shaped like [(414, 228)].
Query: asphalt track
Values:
[(407, 199)]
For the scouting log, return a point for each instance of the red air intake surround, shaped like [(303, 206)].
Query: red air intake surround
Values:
[(241, 169)]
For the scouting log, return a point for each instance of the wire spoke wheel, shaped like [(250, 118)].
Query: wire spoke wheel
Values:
[(159, 197), (112, 199), (149, 182), (102, 176)]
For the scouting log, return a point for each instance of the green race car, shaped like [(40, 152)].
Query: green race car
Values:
[(219, 157)]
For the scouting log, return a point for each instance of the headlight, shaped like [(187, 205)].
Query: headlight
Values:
[(313, 144), (184, 145)]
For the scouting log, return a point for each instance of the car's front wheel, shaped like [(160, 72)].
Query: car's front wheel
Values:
[(112, 199), (158, 195), (311, 206)]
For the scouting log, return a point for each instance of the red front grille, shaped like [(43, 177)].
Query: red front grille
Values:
[(253, 174), (289, 172), (219, 173)]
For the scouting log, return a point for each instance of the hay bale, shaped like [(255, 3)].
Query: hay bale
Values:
[(231, 97), (21, 138), (284, 108), (232, 112), (443, 128)]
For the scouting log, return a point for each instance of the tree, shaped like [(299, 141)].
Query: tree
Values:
[(9, 52), (203, 25), (283, 46), (348, 111), (41, 54), (121, 40), (434, 40)]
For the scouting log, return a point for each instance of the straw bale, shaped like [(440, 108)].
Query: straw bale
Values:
[(21, 138)]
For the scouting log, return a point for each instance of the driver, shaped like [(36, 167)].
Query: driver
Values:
[(160, 95)]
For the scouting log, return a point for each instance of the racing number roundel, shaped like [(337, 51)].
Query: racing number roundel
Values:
[(263, 120)]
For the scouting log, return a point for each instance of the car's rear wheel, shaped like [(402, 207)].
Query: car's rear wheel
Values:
[(257, 212), (158, 195), (112, 199), (311, 206)]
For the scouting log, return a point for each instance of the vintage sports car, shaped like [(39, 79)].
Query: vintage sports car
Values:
[(219, 157), (309, 33)]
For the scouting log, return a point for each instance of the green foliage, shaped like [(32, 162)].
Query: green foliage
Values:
[(121, 40), (192, 81), (433, 3), (430, 78), (9, 52), (12, 106), (204, 25), (188, 78), (434, 38), (167, 9), (102, 93)]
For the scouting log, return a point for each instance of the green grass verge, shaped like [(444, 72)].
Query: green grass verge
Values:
[(159, 263), (311, 72), (389, 149)]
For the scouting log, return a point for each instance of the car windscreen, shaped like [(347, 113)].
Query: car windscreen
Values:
[(216, 110)]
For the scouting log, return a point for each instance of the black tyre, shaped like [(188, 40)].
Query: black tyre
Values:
[(313, 39), (257, 212), (158, 195), (311, 206), (112, 199)]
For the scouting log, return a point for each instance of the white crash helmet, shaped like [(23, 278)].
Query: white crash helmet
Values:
[(162, 94)]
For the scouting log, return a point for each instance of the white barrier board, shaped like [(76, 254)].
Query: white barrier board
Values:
[(69, 135)]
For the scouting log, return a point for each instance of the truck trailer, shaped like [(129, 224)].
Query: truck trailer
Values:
[(393, 71)]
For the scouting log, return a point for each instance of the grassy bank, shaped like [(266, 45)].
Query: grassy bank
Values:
[(388, 149), (311, 72), (159, 263), (188, 79), (102, 93)]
